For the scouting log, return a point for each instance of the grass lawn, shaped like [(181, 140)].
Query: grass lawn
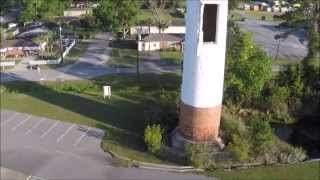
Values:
[(123, 117), (124, 54), (259, 14), (305, 171), (145, 14), (77, 51), (172, 57)]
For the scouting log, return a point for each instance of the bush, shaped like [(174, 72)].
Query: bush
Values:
[(165, 110), (153, 138), (297, 155), (278, 99), (198, 156), (239, 147), (261, 134)]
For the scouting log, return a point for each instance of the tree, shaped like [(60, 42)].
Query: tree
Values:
[(118, 15), (43, 9), (248, 69), (161, 19)]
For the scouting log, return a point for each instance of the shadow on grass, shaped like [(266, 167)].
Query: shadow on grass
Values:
[(122, 117)]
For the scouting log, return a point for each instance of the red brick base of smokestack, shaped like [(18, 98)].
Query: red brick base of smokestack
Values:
[(199, 124)]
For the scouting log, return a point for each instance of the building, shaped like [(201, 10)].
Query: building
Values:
[(255, 7), (19, 48), (154, 30), (203, 73), (75, 12), (154, 42)]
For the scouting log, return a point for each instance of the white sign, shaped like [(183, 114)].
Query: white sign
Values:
[(106, 92)]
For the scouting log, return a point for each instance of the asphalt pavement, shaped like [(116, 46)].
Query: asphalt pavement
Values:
[(264, 32), (54, 149)]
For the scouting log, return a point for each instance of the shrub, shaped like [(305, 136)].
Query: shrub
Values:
[(292, 77), (239, 147), (165, 110), (231, 124), (278, 99), (198, 156), (153, 138), (261, 134), (297, 155)]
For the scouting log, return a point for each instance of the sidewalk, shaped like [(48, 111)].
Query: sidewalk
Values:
[(7, 174)]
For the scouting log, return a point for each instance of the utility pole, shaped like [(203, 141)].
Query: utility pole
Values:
[(61, 45), (138, 58)]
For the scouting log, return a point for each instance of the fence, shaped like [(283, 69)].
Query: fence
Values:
[(43, 62)]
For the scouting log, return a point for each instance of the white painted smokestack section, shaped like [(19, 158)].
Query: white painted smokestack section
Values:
[(204, 60)]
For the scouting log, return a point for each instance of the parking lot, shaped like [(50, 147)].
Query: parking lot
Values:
[(51, 149), (61, 136), (41, 146)]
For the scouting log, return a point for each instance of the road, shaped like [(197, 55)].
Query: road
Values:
[(294, 47), (89, 65), (58, 150), (93, 63)]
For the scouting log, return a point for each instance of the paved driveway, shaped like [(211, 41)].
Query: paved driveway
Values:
[(58, 150)]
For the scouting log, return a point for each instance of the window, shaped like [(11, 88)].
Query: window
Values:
[(209, 27)]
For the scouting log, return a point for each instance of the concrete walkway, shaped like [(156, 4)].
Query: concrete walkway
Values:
[(8, 174)]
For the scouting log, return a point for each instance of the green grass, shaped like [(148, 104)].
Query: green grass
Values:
[(305, 171), (124, 54), (77, 51), (123, 117), (259, 14), (234, 15), (145, 14), (172, 57)]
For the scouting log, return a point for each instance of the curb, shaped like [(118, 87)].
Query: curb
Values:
[(152, 166)]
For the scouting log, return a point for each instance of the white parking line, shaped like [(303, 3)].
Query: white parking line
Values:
[(22, 122), (50, 129), (65, 133), (34, 126), (81, 137), (9, 119)]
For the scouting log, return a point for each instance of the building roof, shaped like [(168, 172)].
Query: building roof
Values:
[(163, 37), (18, 43)]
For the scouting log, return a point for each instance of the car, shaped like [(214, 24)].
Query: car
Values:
[(33, 67), (243, 19)]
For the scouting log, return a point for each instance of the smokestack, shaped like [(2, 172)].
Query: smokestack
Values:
[(203, 72)]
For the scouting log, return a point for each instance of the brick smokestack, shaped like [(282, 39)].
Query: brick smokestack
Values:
[(203, 71)]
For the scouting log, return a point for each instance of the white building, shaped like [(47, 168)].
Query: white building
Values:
[(154, 42), (154, 29)]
